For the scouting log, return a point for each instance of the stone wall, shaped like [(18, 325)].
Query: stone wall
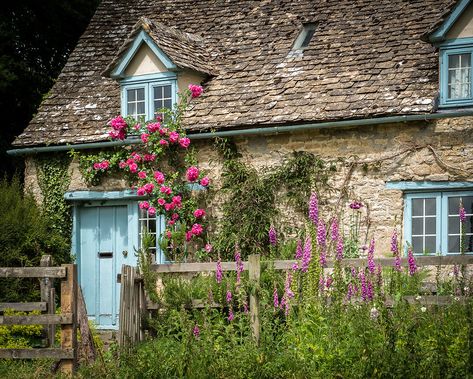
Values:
[(439, 150)]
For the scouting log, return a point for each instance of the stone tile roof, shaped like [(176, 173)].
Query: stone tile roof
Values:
[(366, 59), (187, 51)]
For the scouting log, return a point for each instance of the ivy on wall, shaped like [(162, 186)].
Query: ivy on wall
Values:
[(54, 179), (253, 200)]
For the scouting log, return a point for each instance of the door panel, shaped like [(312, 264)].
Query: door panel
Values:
[(103, 239)]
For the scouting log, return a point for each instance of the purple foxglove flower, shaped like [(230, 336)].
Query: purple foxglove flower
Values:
[(273, 239), (245, 308), (323, 257), (307, 254), (350, 291), (394, 248), (328, 281), (287, 286), (275, 298), (231, 316), (397, 263), (412, 262), (371, 265), (356, 205), (321, 234), (354, 272), (366, 288), (462, 214), (299, 251), (339, 249), (295, 267), (239, 266), (335, 231), (219, 272), (379, 276), (229, 296), (314, 208), (196, 331)]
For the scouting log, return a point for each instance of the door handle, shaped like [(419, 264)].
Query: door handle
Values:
[(125, 253), (105, 254)]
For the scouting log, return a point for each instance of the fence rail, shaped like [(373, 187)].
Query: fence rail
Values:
[(67, 320), (134, 306)]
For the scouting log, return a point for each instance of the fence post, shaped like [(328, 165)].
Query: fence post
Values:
[(254, 268), (47, 296), (69, 305)]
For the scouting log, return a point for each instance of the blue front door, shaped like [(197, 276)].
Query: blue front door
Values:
[(104, 244)]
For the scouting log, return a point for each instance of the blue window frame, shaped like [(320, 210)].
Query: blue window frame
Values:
[(432, 222), (143, 95), (154, 226), (456, 73)]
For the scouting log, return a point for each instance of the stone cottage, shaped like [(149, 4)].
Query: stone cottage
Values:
[(386, 81)]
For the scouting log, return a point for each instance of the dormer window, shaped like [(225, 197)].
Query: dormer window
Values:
[(455, 75)]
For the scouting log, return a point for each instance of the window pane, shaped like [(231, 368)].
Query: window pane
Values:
[(140, 94), (468, 204), (158, 104), (141, 108), (158, 92), (453, 225), (131, 95), (417, 244), (453, 244), (430, 207), (459, 67), (430, 245), (469, 244), (417, 207), (168, 103), (453, 205), (417, 226), (131, 108), (167, 91), (430, 225)]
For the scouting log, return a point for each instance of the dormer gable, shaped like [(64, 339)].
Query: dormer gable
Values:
[(154, 64), (457, 24)]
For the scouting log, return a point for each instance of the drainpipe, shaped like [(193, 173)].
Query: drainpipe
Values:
[(270, 130)]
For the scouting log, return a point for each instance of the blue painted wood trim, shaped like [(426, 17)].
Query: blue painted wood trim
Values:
[(141, 38), (440, 33), (149, 78), (423, 186), (96, 195)]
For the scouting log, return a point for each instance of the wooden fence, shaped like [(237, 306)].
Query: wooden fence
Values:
[(134, 306), (70, 300)]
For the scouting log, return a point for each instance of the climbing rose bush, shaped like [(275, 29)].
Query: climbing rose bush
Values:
[(165, 189)]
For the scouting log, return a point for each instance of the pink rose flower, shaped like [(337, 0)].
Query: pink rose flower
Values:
[(117, 134), (163, 131), (196, 90), (169, 206), (161, 201), (149, 187), (153, 127), (149, 157), (141, 191), (208, 248), (97, 166), (163, 142), (173, 137), (168, 234), (159, 177), (177, 200), (137, 127), (144, 137), (197, 229), (144, 205), (135, 156), (188, 236), (204, 182), (192, 174), (152, 211), (118, 123), (171, 222), (198, 213), (142, 175), (122, 164), (184, 142), (104, 165), (166, 190), (175, 216), (133, 167)]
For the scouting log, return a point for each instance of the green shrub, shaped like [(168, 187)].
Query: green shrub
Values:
[(25, 235)]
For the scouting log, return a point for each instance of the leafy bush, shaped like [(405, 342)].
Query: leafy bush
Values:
[(25, 235)]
